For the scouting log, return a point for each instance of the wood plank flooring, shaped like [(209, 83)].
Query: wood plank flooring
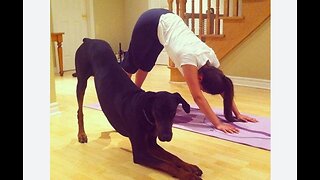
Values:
[(107, 155)]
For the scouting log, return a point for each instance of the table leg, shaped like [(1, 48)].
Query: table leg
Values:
[(60, 58)]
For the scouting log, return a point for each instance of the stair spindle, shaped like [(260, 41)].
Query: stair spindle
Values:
[(192, 17), (226, 8), (177, 7), (235, 7), (209, 18), (200, 20), (217, 19)]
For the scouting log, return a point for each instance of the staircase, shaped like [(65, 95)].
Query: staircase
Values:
[(220, 31)]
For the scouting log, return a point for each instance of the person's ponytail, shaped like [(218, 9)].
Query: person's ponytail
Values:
[(228, 99)]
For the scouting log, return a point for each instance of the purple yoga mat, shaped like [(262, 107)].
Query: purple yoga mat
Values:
[(252, 134)]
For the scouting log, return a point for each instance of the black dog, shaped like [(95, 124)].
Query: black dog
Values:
[(141, 116)]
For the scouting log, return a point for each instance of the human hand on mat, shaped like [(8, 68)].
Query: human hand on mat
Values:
[(245, 118), (227, 128)]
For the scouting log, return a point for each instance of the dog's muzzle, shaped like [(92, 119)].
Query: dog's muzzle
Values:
[(165, 137)]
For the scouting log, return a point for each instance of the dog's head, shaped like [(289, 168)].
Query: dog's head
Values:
[(163, 110)]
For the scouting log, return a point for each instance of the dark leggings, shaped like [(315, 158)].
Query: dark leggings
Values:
[(144, 47)]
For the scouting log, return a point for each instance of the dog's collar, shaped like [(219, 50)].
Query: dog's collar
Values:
[(145, 115)]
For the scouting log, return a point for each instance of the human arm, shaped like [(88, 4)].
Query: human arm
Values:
[(240, 116), (191, 76)]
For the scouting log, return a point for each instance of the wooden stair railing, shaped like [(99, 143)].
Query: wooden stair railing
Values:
[(238, 26), (209, 19), (239, 17)]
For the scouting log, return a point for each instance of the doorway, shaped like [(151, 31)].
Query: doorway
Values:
[(75, 19)]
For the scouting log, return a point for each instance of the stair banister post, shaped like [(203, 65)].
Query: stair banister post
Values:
[(183, 8)]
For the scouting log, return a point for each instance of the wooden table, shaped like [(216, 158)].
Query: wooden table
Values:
[(57, 37)]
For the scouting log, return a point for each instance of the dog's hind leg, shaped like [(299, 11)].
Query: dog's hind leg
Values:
[(81, 87), (84, 71)]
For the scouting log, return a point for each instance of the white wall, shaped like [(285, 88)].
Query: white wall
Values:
[(158, 4), (132, 11)]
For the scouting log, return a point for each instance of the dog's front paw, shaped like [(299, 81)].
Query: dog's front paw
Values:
[(189, 176), (192, 169), (82, 138)]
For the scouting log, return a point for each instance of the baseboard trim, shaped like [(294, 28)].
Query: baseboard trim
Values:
[(250, 82), (54, 109), (244, 81), (174, 82)]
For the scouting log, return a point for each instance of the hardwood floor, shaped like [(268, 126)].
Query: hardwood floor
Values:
[(107, 155)]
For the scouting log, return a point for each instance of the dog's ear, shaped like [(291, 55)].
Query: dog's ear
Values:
[(185, 105)]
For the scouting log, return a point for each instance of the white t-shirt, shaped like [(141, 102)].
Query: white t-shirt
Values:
[(182, 45)]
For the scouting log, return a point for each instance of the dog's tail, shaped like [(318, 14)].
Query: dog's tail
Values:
[(86, 40)]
